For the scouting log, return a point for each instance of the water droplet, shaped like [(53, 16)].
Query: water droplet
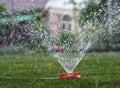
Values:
[(97, 1)]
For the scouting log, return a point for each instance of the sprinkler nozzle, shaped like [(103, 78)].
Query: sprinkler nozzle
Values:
[(70, 75)]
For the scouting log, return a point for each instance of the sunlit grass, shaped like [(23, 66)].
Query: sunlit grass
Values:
[(98, 70)]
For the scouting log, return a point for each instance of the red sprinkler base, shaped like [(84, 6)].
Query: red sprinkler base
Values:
[(70, 75)]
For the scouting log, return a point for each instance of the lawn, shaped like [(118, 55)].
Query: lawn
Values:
[(98, 70)]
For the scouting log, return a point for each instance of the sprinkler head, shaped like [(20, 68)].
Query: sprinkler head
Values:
[(70, 75)]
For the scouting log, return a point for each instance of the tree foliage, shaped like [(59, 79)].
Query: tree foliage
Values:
[(93, 12)]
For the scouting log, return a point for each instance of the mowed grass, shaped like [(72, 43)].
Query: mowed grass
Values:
[(98, 70)]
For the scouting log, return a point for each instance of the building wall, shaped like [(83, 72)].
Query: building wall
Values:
[(55, 16)]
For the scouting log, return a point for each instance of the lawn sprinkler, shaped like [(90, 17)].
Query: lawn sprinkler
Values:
[(70, 75)]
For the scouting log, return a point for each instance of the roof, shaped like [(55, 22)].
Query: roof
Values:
[(65, 4), (25, 5)]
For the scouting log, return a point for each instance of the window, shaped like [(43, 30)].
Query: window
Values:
[(66, 23)]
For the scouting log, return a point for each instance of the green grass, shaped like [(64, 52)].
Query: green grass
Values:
[(98, 70)]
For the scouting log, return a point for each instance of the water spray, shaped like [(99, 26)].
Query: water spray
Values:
[(69, 47)]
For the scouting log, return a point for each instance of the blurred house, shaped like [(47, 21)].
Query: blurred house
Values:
[(62, 14)]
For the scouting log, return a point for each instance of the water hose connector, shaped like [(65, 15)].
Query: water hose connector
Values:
[(70, 75)]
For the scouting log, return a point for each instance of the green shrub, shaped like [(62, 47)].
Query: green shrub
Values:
[(27, 33), (66, 39)]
